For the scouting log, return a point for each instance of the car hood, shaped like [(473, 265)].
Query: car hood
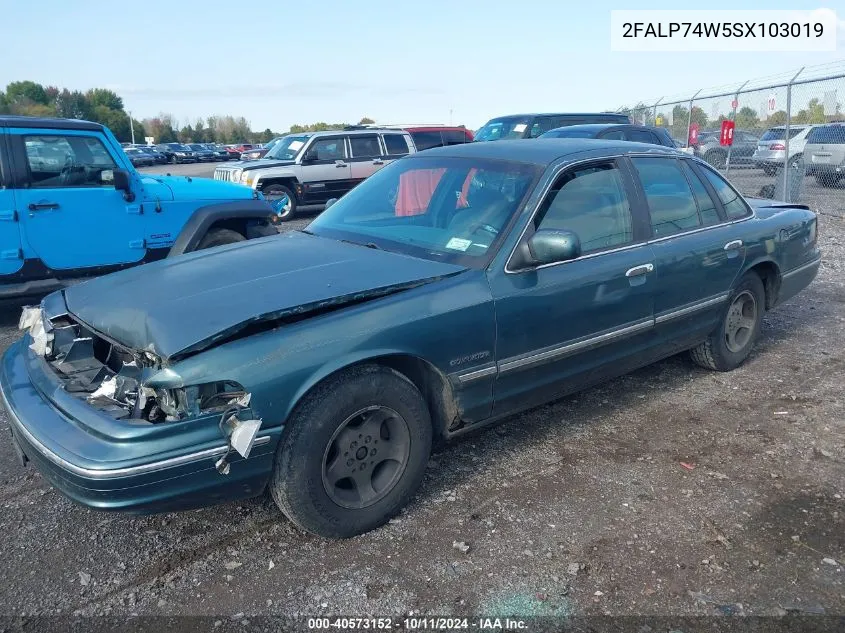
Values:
[(189, 188), (179, 306), (262, 163)]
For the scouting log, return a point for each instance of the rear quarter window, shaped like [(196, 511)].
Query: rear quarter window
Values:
[(735, 207), (827, 134), (427, 140)]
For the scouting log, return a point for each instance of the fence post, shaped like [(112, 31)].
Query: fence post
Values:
[(733, 118), (689, 114), (787, 193)]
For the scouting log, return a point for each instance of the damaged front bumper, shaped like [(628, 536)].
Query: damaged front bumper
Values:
[(106, 462)]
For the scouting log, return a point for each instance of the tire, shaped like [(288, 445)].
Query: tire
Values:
[(769, 170), (718, 352), (274, 192), (219, 237), (826, 180), (716, 158), (174, 160), (323, 424), (796, 160)]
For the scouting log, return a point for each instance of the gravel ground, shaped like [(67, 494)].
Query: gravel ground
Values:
[(673, 490)]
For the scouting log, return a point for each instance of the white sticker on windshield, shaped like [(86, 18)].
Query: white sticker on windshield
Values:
[(458, 244), (295, 145), (520, 127)]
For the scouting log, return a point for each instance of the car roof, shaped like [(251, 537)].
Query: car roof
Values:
[(10, 120), (431, 128), (543, 151), (598, 127)]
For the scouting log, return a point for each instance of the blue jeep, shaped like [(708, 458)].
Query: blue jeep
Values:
[(72, 206)]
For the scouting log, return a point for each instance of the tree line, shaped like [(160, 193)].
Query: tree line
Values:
[(104, 106), (747, 118)]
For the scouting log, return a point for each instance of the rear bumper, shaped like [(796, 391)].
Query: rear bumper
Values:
[(131, 469), (822, 169), (795, 280)]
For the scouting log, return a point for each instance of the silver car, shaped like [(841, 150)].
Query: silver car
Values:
[(771, 148), (825, 153)]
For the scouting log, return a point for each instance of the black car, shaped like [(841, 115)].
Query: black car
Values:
[(158, 157), (138, 158), (202, 153), (219, 151), (611, 132), (533, 125), (177, 153), (708, 147)]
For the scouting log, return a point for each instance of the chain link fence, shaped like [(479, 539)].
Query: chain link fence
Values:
[(789, 134)]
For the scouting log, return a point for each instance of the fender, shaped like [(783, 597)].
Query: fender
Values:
[(259, 211)]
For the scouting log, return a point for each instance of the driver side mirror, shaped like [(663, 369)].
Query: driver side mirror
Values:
[(330, 202), (122, 183), (548, 246)]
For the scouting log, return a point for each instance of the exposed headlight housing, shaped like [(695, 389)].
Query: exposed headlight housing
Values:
[(32, 320), (244, 177)]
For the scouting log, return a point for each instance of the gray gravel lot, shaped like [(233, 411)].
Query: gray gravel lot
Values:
[(673, 490)]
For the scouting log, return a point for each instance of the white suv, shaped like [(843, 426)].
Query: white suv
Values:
[(304, 171), (771, 148)]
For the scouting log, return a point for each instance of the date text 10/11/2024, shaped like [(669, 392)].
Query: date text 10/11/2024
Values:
[(417, 624)]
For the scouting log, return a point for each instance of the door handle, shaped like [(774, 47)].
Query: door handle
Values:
[(378, 161), (636, 271), (339, 163), (734, 245), (41, 206)]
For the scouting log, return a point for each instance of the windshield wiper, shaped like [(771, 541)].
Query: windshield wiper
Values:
[(372, 245)]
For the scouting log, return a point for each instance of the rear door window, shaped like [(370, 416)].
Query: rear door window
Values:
[(642, 136), (707, 208), (671, 204), (395, 144), (827, 134), (365, 146)]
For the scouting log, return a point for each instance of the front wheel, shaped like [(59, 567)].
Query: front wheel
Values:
[(282, 200), (353, 452), (219, 237), (731, 343)]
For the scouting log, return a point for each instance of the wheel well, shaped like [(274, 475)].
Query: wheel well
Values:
[(235, 224), (432, 384), (290, 183), (770, 275)]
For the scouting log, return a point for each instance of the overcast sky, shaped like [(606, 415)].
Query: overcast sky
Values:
[(282, 62)]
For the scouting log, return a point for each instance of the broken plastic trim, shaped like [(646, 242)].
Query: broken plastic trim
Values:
[(272, 320)]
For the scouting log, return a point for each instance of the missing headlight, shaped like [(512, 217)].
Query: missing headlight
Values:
[(170, 405)]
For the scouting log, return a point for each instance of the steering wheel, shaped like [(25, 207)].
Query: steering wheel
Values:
[(483, 226), (66, 174)]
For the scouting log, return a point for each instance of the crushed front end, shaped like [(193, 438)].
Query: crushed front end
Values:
[(111, 427)]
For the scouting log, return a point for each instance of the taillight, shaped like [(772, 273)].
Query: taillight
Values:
[(777, 146)]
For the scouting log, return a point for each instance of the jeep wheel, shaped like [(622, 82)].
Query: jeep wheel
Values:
[(731, 343), (274, 193), (219, 237), (353, 452)]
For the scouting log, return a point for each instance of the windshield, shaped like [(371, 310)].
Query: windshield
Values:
[(287, 147), (568, 133), (506, 127), (448, 209), (779, 133)]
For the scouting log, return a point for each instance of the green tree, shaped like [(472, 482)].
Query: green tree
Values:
[(778, 118), (747, 119), (813, 113), (186, 134), (26, 93), (4, 105), (104, 97), (698, 116), (366, 121), (72, 105)]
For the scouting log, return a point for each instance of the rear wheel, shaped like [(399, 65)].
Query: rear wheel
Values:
[(826, 180), (731, 343), (353, 452), (219, 237), (274, 194)]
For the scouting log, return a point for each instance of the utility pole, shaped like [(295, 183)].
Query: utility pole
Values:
[(132, 128)]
